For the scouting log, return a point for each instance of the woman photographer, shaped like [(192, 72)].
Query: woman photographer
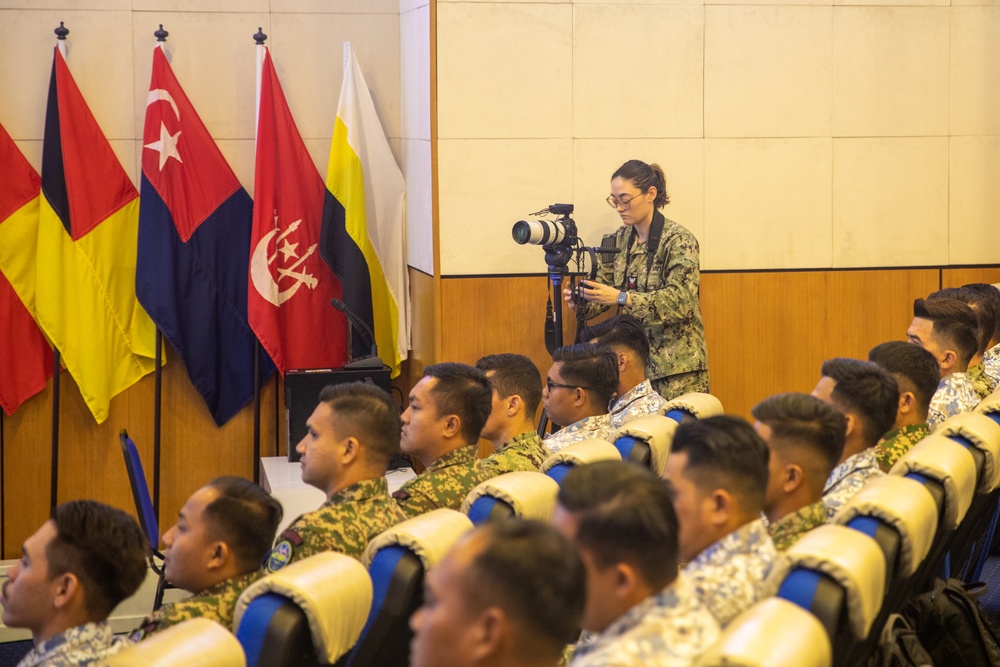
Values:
[(653, 277)]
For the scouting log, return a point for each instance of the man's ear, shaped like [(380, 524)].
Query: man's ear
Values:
[(67, 589), (514, 405), (626, 579), (219, 555), (452, 426), (907, 402), (722, 506), (852, 424), (352, 449), (622, 361), (793, 476), (492, 628), (948, 361)]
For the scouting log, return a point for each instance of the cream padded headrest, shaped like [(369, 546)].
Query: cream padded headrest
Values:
[(655, 430), (772, 632), (583, 452), (334, 591), (903, 504), (531, 494), (698, 404), (852, 559), (989, 404), (949, 463), (195, 643), (984, 433), (429, 536)]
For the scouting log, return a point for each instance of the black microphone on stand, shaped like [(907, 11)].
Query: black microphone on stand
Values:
[(370, 361)]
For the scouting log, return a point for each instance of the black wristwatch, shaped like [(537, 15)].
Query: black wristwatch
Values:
[(622, 298)]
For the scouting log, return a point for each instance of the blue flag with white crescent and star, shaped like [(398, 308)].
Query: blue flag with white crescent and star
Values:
[(194, 244)]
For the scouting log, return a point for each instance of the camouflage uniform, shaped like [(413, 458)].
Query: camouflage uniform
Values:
[(954, 395), (991, 363), (445, 483), (789, 528), (598, 426), (848, 478), (216, 603), (522, 452), (668, 629), (897, 442), (83, 645), (665, 299), (981, 382), (638, 401), (345, 523), (736, 572)]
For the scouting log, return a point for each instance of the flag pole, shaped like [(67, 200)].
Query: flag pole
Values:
[(259, 38), (61, 33), (161, 40)]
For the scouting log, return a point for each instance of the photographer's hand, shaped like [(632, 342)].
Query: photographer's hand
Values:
[(599, 293), (568, 298)]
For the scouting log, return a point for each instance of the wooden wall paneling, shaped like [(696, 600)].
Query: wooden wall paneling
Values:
[(964, 276), (770, 332)]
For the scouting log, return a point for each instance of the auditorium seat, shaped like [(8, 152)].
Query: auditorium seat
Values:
[(981, 436), (694, 404), (579, 453), (308, 613), (900, 515), (195, 643), (646, 440), (837, 574), (397, 560), (527, 495), (772, 633), (990, 406), (943, 461)]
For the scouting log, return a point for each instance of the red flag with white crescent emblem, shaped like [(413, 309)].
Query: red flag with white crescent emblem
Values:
[(290, 285)]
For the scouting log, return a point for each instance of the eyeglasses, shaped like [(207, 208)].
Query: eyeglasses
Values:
[(621, 201), (555, 385)]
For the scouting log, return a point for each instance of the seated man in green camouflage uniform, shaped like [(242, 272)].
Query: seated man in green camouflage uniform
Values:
[(448, 409), (214, 551), (985, 308), (627, 337), (350, 439), (916, 373), (805, 440), (517, 391)]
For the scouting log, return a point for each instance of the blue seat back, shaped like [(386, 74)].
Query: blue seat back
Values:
[(274, 632), (559, 471), (634, 450), (140, 490)]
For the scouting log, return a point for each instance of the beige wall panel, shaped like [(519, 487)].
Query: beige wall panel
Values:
[(419, 212), (27, 40), (240, 154), (890, 201), (975, 70), (977, 3), (215, 6), (319, 151), (212, 56), (637, 71), (504, 70), (632, 2), (974, 208), (487, 186), (595, 160), (415, 74), (127, 152), (410, 5), (890, 71), (336, 6), (100, 59), (33, 152), (308, 54), (790, 322), (768, 71), (767, 203), (64, 4)]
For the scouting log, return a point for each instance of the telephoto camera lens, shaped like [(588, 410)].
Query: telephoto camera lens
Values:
[(538, 232)]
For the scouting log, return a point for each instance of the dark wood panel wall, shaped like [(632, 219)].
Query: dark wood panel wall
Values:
[(767, 332)]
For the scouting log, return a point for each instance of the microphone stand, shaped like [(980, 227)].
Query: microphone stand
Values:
[(370, 361)]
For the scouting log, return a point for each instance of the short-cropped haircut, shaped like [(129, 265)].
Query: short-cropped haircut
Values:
[(866, 390), (245, 517), (589, 365), (462, 390), (514, 375), (620, 331), (535, 575), (104, 547), (625, 515), (954, 324), (368, 413), (805, 421), (991, 293), (912, 362), (724, 452)]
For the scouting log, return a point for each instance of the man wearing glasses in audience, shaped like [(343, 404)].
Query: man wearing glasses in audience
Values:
[(579, 386)]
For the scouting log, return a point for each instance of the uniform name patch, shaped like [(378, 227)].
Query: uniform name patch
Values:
[(280, 556)]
